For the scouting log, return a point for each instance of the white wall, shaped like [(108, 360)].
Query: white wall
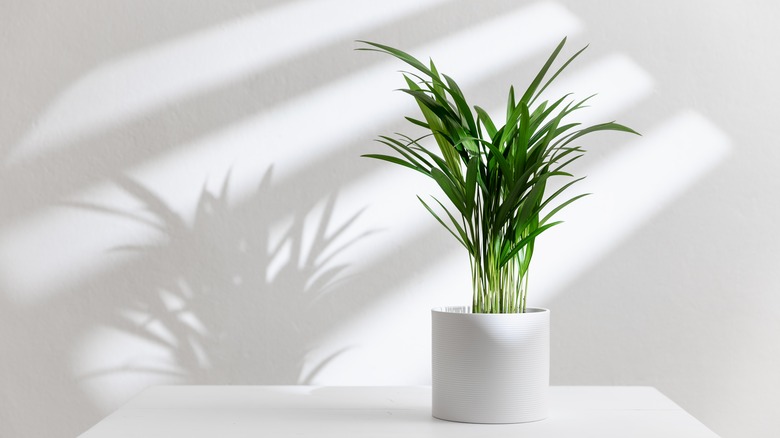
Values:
[(182, 199)]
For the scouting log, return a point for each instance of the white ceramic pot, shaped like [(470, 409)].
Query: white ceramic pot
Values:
[(490, 368)]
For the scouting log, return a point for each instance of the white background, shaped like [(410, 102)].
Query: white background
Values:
[(182, 199)]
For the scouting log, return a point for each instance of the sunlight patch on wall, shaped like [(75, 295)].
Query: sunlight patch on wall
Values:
[(133, 84), (629, 187), (336, 115), (351, 109), (616, 79)]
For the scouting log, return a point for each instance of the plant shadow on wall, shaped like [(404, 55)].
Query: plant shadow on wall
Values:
[(156, 318), (226, 287)]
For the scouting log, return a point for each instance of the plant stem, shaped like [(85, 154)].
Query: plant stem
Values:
[(498, 289)]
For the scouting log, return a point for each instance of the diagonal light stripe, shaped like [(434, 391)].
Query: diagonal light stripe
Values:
[(629, 188), (301, 132), (133, 84), (307, 129)]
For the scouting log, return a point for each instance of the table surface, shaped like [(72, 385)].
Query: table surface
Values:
[(343, 412)]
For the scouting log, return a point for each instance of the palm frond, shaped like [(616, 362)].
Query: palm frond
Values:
[(494, 177)]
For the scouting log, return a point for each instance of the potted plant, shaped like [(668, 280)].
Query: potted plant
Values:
[(491, 359)]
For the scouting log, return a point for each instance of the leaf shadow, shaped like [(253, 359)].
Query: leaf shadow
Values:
[(227, 283)]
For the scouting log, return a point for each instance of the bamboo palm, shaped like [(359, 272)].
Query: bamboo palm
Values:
[(494, 177)]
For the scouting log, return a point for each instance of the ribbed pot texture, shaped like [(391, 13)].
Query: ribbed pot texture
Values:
[(490, 368)]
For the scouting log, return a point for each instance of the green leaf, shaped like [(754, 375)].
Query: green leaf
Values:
[(523, 134), (529, 239), (458, 227), (540, 116), (503, 164), (566, 64), (438, 127), (442, 165), (559, 191), (567, 162), (394, 160), (539, 76), (471, 183), (403, 56), (609, 126), (441, 111), (442, 223), (450, 189), (532, 200), (437, 84), (407, 147), (561, 207), (418, 122), (486, 121), (463, 107), (510, 104), (403, 150)]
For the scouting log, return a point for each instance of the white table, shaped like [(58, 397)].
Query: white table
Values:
[(363, 412)]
